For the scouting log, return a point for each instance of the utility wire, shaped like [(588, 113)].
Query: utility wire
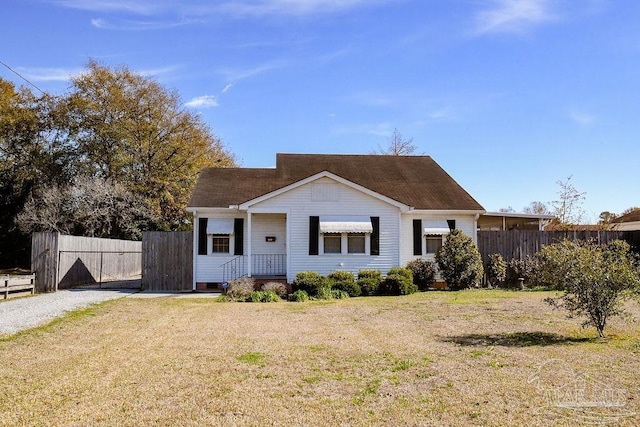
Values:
[(22, 77)]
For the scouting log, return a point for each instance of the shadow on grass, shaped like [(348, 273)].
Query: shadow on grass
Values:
[(515, 339)]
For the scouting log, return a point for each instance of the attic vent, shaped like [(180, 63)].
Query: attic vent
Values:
[(324, 192)]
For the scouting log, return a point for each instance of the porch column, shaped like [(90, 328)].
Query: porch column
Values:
[(249, 243)]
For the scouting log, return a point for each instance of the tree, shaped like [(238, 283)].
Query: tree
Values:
[(568, 208), (537, 208), (32, 154), (508, 209), (133, 131), (596, 279), (398, 146), (91, 207), (459, 261), (605, 219)]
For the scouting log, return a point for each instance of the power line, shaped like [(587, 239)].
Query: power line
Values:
[(22, 77)]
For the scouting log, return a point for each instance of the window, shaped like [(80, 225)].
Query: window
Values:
[(220, 244), (332, 243), (355, 243), (434, 243)]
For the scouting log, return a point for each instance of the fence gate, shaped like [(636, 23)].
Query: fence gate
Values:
[(62, 261), (91, 267)]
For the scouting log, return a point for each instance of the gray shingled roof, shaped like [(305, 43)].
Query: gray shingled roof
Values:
[(416, 181)]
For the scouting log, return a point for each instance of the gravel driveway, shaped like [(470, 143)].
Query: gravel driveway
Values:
[(28, 312)]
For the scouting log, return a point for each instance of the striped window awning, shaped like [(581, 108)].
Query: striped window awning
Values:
[(220, 226), (436, 231), (345, 224)]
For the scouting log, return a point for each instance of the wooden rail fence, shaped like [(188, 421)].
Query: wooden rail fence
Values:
[(16, 284)]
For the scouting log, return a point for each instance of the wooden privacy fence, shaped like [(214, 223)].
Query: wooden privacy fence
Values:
[(167, 261), (519, 244), (61, 261)]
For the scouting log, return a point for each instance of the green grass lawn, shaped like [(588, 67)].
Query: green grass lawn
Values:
[(435, 358)]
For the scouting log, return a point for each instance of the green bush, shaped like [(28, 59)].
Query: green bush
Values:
[(310, 282), (424, 273), (264, 296), (399, 281), (324, 293), (496, 270), (596, 279), (527, 268), (339, 294), (299, 296), (240, 289), (368, 286), (459, 261), (344, 281), (369, 281)]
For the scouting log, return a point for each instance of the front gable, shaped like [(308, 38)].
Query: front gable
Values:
[(319, 188)]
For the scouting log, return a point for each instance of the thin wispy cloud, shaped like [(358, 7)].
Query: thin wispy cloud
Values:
[(126, 25), (137, 7), (513, 16), (237, 8), (205, 101), (582, 118), (155, 72), (49, 74), (227, 88)]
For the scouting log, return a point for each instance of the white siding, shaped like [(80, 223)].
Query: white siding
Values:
[(263, 225), (303, 202), (463, 222), (207, 266)]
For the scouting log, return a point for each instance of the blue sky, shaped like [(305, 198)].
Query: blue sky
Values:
[(508, 96)]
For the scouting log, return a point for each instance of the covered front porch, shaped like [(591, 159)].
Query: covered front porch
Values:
[(265, 254)]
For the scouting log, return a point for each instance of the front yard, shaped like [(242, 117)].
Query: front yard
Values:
[(435, 358)]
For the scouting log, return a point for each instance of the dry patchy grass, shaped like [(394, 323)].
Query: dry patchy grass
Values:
[(434, 358)]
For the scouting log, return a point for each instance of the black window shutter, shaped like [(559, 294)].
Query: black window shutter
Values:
[(452, 224), (238, 236), (314, 228), (417, 237), (202, 236), (375, 236)]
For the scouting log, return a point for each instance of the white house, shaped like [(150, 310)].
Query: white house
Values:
[(323, 213)]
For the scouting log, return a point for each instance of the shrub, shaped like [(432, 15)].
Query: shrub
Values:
[(424, 273), (459, 261), (256, 296), (496, 270), (277, 287), (240, 289), (368, 286), (399, 281), (264, 296), (324, 292), (299, 296), (310, 282), (369, 281), (596, 279), (344, 281), (526, 268), (339, 294)]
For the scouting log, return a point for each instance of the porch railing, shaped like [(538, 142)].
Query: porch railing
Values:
[(234, 269), (261, 265), (268, 265)]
